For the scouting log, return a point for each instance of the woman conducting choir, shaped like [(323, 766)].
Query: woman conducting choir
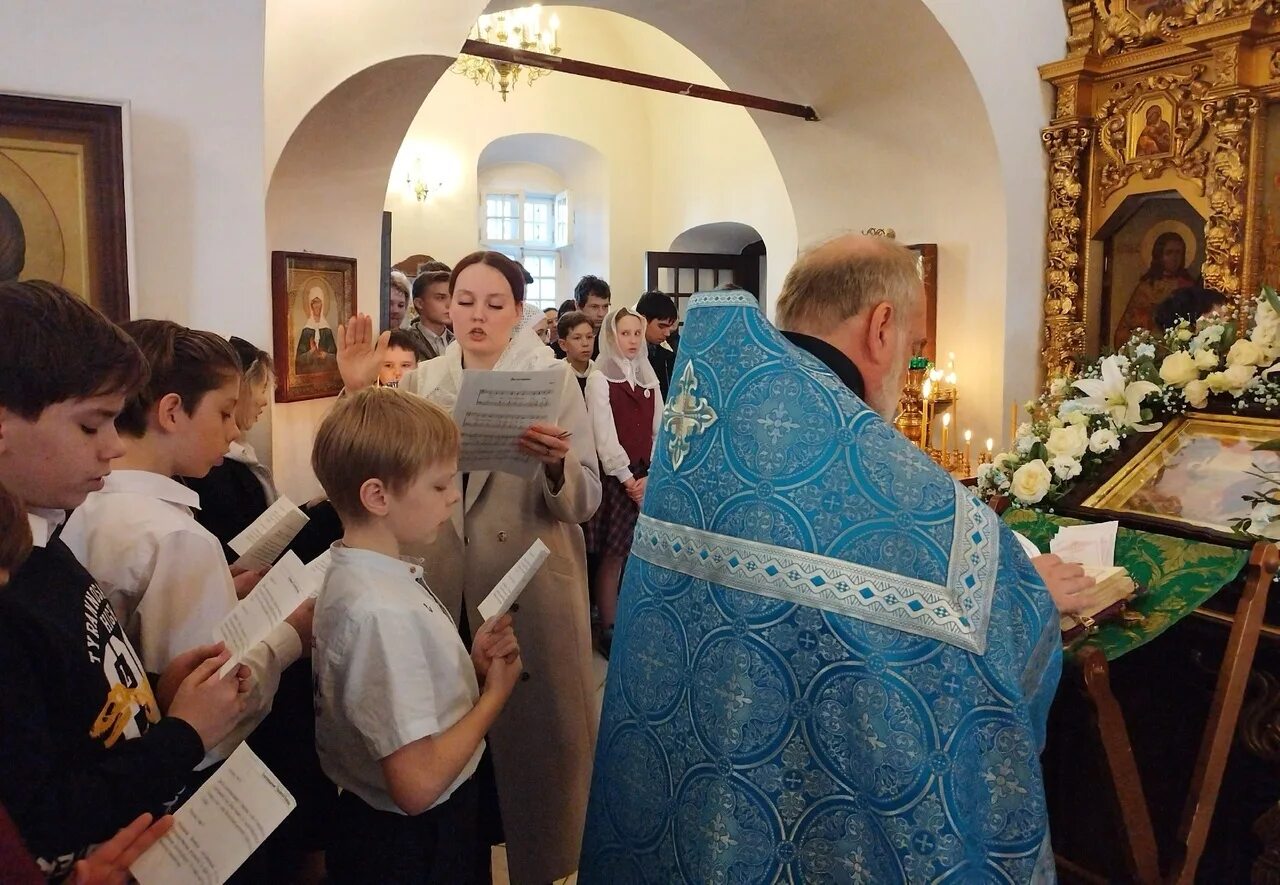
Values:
[(542, 746)]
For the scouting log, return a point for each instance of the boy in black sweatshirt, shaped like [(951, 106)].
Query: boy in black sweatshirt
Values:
[(84, 747)]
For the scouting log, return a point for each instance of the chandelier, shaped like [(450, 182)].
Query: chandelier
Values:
[(518, 29)]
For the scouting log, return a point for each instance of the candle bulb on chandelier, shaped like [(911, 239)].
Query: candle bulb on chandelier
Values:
[(968, 445)]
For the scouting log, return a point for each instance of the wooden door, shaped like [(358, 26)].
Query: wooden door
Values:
[(682, 274)]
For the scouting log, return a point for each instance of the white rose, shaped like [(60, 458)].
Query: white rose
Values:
[(1031, 482), (1004, 461), (1065, 468), (1197, 394), (1206, 359), (1245, 353), (1078, 418), (1211, 334), (1184, 334), (1178, 369), (1024, 444), (1059, 387), (1068, 442), (1234, 380), (1103, 440)]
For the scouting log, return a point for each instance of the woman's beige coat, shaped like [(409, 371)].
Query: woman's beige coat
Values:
[(544, 742)]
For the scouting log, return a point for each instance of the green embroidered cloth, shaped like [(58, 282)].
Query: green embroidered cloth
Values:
[(1178, 576)]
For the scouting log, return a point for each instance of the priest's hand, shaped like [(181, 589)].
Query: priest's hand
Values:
[(360, 355), (1068, 584)]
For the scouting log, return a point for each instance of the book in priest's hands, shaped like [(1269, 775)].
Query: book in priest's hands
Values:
[(1105, 601)]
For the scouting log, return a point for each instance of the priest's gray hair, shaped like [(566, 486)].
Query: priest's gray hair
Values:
[(844, 277)]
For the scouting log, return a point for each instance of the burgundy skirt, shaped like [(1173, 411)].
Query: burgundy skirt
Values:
[(609, 532)]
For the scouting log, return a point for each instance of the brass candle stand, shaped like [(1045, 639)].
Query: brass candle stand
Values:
[(927, 395)]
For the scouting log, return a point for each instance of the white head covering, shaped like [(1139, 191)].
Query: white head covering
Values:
[(613, 364), (525, 353), (311, 290)]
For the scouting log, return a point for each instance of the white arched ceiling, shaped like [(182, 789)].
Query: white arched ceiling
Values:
[(727, 237), (930, 118), (326, 196)]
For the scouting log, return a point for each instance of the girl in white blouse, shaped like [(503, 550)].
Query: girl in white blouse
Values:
[(163, 572), (625, 405)]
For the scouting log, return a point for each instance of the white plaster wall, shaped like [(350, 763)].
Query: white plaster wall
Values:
[(1002, 44), (460, 120), (192, 75), (931, 114)]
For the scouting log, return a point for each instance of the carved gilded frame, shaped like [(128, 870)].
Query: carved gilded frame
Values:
[(1213, 66)]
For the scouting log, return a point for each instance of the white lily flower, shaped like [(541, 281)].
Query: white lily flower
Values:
[(1111, 395)]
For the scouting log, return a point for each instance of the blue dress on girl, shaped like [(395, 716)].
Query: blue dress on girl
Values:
[(832, 663)]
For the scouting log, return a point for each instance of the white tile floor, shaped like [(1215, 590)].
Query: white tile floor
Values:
[(500, 853)]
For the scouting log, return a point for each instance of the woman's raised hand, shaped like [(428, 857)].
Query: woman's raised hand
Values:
[(360, 356)]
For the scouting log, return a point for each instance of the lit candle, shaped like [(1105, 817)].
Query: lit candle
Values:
[(926, 391), (991, 445), (555, 31), (1013, 424), (946, 427)]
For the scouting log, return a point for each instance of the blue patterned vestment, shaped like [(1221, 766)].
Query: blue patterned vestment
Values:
[(831, 663)]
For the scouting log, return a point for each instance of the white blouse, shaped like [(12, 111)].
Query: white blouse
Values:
[(613, 457)]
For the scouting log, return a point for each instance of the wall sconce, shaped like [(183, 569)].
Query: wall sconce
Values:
[(421, 186)]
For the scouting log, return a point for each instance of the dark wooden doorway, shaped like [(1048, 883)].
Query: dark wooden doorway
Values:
[(682, 274)]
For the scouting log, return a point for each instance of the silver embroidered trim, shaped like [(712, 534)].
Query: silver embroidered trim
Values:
[(957, 615)]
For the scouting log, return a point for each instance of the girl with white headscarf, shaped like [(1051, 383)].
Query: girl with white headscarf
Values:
[(544, 741), (625, 404)]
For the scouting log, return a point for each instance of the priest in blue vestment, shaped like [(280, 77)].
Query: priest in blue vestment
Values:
[(831, 663)]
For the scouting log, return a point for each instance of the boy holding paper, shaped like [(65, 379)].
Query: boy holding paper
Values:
[(85, 748), (401, 714)]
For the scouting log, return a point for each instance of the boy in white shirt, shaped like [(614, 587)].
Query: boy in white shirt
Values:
[(400, 712)]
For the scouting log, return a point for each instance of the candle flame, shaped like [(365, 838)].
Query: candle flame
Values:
[(968, 436), (927, 389), (946, 420), (991, 444)]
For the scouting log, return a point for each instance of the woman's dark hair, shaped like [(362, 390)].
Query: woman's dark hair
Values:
[(1156, 270), (55, 347), (657, 306), (1189, 303), (570, 321), (568, 306), (499, 262), (588, 286), (184, 361)]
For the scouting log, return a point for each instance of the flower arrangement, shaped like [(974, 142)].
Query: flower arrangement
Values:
[(1079, 423)]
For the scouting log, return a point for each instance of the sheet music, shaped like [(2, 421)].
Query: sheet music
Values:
[(495, 408), (508, 590), (219, 827), (265, 539), (282, 590), (1093, 546)]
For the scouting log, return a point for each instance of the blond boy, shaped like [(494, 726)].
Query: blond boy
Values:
[(401, 707)]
